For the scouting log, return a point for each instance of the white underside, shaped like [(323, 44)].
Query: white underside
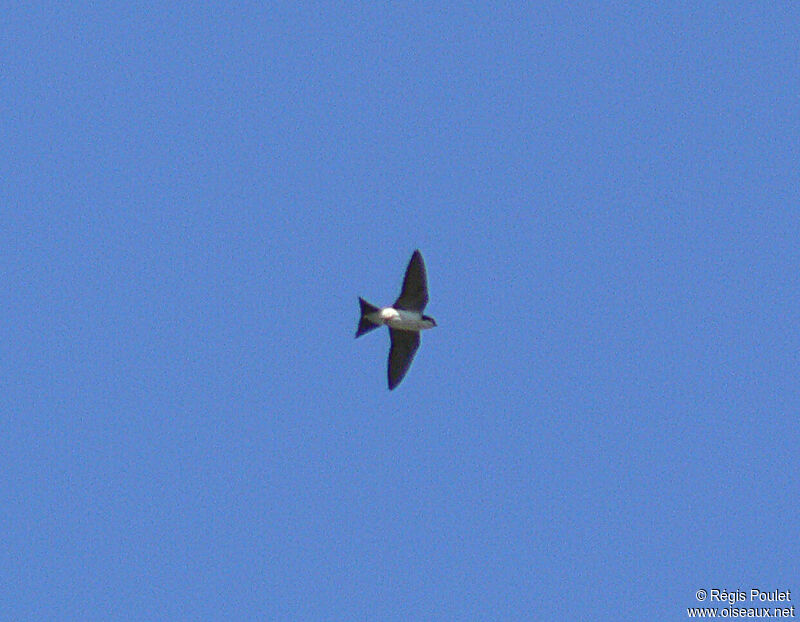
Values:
[(400, 319)]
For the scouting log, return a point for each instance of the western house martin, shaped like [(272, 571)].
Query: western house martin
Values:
[(404, 319)]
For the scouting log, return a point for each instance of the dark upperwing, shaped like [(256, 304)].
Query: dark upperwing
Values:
[(414, 295)]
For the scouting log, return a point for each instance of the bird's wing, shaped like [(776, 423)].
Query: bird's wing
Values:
[(414, 295), (404, 346)]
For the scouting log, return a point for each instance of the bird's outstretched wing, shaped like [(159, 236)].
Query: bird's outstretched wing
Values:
[(414, 295), (404, 346)]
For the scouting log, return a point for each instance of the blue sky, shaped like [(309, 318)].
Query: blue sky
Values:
[(606, 418)]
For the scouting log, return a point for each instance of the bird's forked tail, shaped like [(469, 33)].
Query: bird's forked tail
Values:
[(364, 324)]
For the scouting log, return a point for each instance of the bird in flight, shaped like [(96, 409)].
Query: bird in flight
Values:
[(404, 319)]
